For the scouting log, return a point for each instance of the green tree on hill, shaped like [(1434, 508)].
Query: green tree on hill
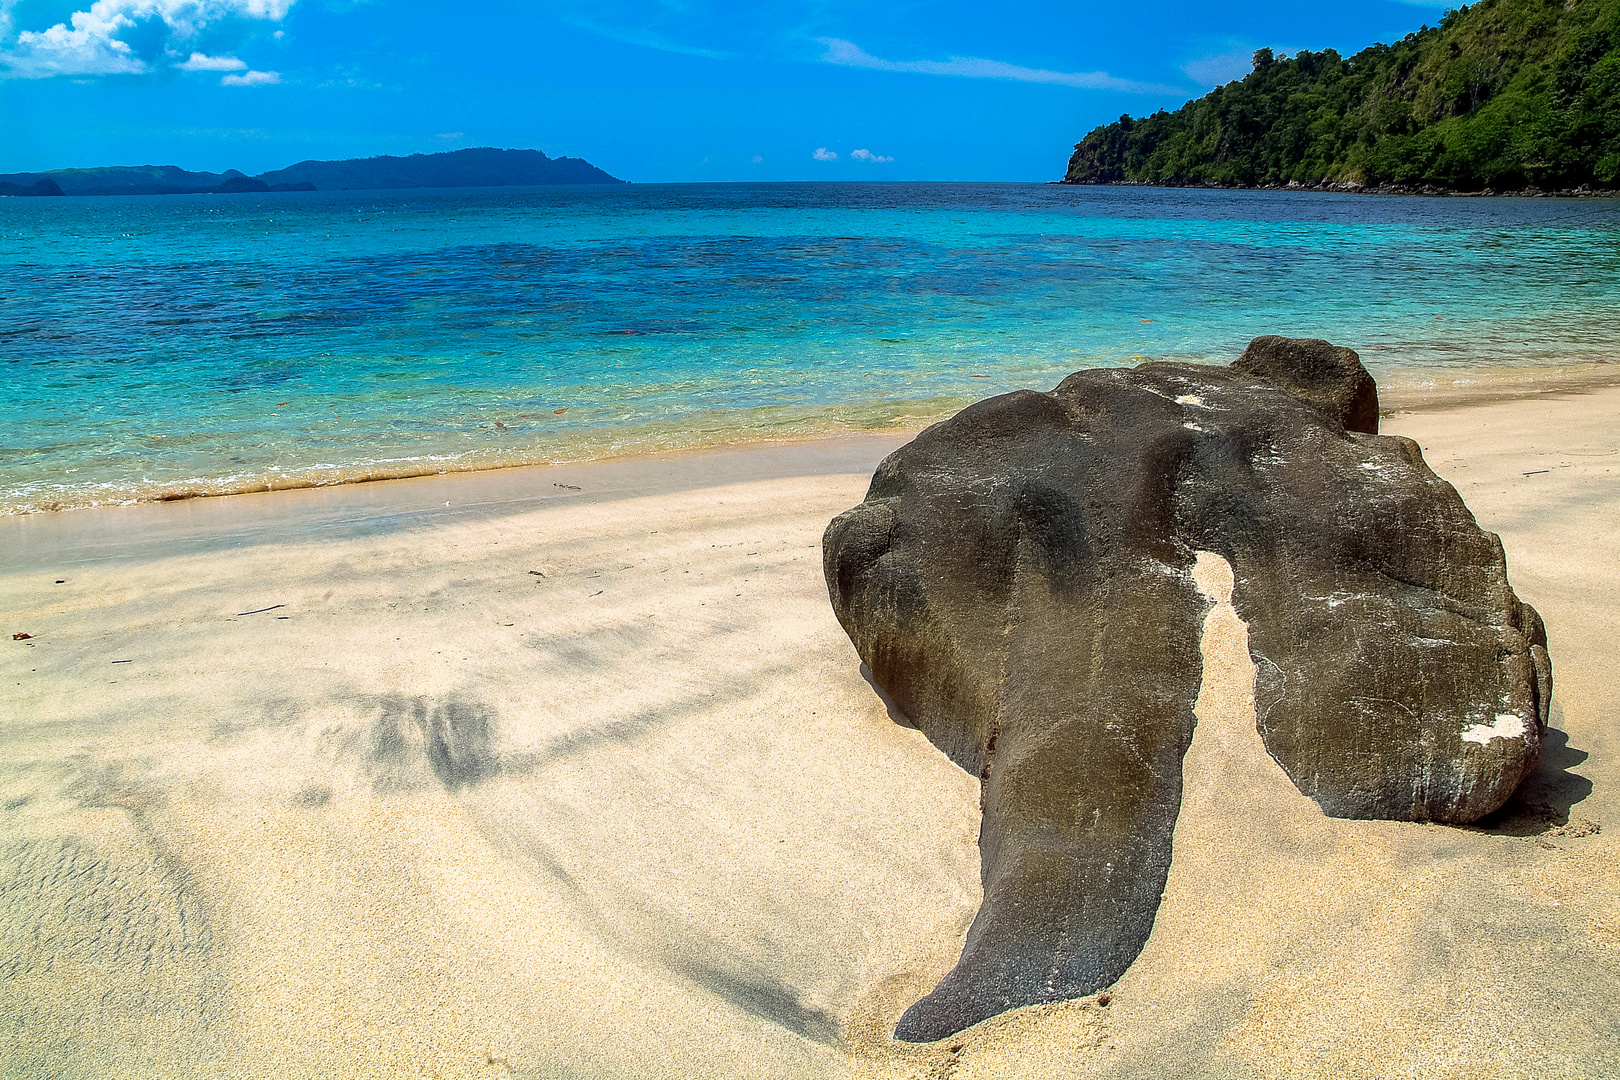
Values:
[(1503, 94)]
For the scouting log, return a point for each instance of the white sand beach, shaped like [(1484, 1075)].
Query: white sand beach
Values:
[(570, 771)]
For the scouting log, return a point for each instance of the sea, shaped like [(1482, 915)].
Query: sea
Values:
[(171, 346)]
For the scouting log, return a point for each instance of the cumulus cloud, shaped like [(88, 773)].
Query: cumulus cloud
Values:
[(97, 41), (848, 54), (824, 154), (252, 78), (202, 62), (867, 155)]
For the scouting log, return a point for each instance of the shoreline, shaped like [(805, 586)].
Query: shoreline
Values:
[(701, 434), (1402, 391), (1351, 188), (1403, 395), (366, 508)]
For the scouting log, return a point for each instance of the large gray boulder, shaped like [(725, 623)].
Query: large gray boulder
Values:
[(1018, 580)]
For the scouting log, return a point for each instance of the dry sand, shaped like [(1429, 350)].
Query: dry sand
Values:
[(437, 815)]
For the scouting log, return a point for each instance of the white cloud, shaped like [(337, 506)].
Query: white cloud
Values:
[(643, 38), (848, 54), (1234, 61), (224, 133), (252, 78), (202, 62), (1218, 69), (867, 155), (758, 159), (91, 41), (451, 136), (824, 154)]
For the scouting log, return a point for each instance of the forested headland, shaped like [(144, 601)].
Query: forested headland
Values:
[(1503, 95)]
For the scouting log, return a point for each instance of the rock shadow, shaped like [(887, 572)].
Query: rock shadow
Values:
[(1544, 802), (896, 714)]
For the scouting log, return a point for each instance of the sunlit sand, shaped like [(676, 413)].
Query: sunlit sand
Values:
[(571, 772)]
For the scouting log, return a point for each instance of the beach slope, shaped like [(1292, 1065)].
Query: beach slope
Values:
[(578, 776)]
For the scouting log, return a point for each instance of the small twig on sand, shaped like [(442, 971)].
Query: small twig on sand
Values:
[(260, 610), (123, 661)]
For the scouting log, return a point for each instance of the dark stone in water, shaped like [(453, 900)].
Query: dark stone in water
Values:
[(1018, 580)]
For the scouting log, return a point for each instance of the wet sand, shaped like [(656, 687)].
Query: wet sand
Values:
[(577, 776)]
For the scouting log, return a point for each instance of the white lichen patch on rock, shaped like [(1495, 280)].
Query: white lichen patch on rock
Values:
[(1507, 726)]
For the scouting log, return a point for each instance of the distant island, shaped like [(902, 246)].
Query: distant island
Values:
[(1503, 96), (458, 168)]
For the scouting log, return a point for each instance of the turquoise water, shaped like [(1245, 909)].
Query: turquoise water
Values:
[(163, 346)]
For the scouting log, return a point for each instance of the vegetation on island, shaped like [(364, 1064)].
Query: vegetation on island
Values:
[(1502, 95), (482, 167), (44, 186)]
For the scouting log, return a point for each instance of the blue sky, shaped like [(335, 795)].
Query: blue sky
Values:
[(651, 90)]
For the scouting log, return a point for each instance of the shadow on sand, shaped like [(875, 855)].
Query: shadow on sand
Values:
[(1542, 804), (1544, 801)]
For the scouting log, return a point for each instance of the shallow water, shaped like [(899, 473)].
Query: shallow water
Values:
[(162, 346)]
